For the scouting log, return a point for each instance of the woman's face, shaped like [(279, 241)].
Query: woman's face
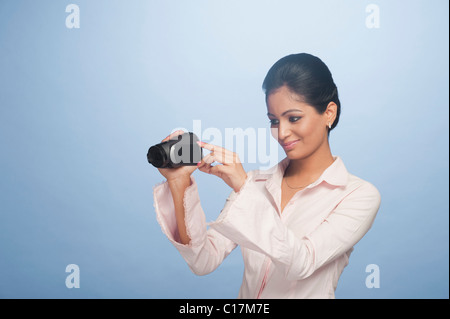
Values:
[(297, 126)]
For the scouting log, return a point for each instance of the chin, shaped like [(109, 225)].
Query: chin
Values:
[(296, 154)]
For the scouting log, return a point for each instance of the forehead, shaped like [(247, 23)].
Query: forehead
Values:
[(283, 100)]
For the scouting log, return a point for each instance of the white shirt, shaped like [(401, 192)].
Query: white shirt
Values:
[(298, 254)]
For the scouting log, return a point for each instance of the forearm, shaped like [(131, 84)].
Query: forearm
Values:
[(178, 188), (203, 250)]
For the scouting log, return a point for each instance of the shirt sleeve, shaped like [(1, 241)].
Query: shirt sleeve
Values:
[(298, 257), (207, 248)]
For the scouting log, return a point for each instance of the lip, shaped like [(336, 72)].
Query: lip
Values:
[(289, 145)]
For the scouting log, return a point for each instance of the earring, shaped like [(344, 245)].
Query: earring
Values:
[(329, 125)]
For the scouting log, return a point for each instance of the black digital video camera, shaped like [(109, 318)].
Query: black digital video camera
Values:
[(182, 150)]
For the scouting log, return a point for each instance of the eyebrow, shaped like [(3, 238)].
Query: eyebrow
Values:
[(291, 110)]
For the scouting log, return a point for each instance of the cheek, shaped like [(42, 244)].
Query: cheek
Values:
[(308, 131), (303, 129)]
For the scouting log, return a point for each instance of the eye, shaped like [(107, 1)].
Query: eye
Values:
[(294, 118), (273, 122)]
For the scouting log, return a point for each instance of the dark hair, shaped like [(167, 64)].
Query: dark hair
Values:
[(308, 77)]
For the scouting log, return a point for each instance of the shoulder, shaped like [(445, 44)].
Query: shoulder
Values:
[(363, 189)]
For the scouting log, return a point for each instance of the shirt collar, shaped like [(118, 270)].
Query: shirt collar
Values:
[(336, 174)]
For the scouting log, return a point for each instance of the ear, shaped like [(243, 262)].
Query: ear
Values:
[(331, 113)]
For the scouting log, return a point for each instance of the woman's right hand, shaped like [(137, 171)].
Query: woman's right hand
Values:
[(178, 173), (179, 179)]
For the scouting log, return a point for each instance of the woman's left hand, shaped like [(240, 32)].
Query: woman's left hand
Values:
[(230, 170)]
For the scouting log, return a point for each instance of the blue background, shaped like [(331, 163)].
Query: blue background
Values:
[(80, 107)]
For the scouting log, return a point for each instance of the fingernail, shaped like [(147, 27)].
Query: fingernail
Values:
[(199, 143), (199, 163)]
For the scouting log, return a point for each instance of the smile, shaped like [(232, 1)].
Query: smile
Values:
[(289, 145)]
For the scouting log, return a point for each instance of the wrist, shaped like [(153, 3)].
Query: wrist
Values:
[(241, 183), (180, 182)]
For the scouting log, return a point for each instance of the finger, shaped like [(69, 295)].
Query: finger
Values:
[(208, 168), (221, 154), (206, 160), (205, 169), (217, 151), (217, 170), (224, 156), (225, 159), (170, 136), (211, 147), (205, 164)]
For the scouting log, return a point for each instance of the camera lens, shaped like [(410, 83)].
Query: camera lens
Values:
[(156, 156)]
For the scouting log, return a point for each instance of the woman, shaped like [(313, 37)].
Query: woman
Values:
[(297, 222)]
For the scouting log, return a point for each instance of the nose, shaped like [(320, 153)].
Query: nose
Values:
[(281, 132)]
